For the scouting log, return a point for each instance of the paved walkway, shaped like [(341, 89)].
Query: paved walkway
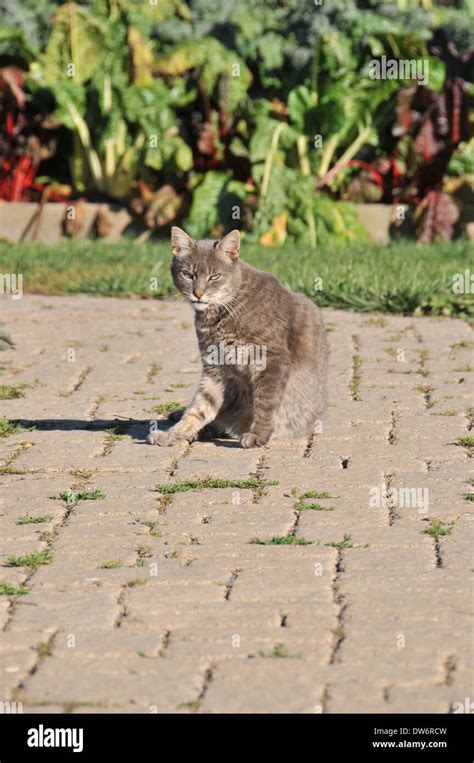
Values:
[(156, 601)]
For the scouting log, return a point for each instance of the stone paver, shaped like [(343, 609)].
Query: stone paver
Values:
[(157, 604)]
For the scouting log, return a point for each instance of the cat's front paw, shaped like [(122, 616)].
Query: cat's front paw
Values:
[(251, 440), (161, 438)]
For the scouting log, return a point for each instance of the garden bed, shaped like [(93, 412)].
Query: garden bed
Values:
[(27, 221), (275, 124)]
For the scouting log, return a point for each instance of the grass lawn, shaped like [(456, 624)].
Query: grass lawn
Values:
[(395, 278)]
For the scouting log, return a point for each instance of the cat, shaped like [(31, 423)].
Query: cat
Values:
[(264, 349)]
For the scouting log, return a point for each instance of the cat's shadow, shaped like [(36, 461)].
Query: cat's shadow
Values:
[(137, 430)]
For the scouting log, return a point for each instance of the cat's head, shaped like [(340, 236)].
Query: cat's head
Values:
[(205, 272)]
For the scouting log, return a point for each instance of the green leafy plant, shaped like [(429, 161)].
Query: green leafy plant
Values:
[(211, 483), (32, 561), (8, 392), (29, 520), (279, 651), (7, 589), (73, 497), (281, 540), (192, 112), (120, 115), (7, 428), (439, 527)]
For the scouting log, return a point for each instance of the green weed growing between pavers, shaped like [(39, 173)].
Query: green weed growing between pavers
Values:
[(8, 392), (346, 542), (112, 437), (7, 428), (7, 589), (193, 705), (153, 370), (280, 651), (118, 431), (110, 565), (466, 442), (299, 505), (463, 345), (439, 527), (83, 474), (43, 649), (282, 540), (32, 561), (355, 382), (211, 484), (164, 408), (29, 520), (70, 496), (7, 467), (310, 494), (153, 528)]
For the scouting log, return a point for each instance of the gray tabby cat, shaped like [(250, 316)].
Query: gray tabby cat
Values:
[(263, 349)]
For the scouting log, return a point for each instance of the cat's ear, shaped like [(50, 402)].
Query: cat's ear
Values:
[(230, 245), (181, 243)]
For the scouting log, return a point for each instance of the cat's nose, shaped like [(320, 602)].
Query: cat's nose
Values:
[(198, 293)]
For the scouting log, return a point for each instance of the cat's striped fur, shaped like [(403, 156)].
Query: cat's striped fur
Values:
[(236, 305)]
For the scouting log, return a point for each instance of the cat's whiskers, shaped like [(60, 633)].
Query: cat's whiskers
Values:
[(177, 298), (229, 307), (233, 299), (225, 308), (235, 305)]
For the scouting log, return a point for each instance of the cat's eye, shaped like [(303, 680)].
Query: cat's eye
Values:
[(187, 274), (215, 277)]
